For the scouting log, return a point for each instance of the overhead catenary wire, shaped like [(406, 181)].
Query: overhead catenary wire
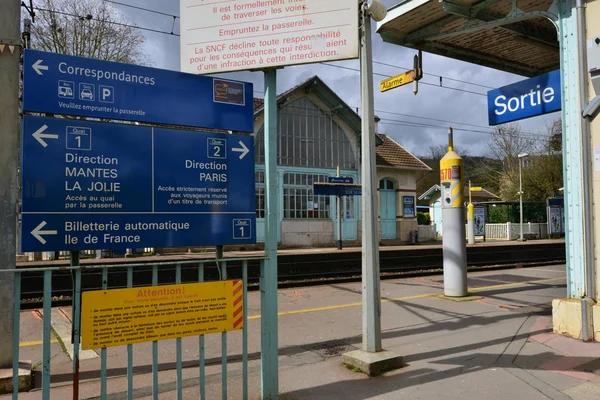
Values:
[(172, 33), (435, 75), (415, 124), (420, 82), (374, 61), (141, 8), (107, 22), (540, 138)]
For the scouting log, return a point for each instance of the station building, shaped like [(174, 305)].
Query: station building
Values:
[(434, 196), (317, 132)]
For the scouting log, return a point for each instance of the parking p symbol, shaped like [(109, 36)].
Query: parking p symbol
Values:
[(107, 94)]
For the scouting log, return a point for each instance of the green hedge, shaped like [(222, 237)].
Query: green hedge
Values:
[(423, 218)]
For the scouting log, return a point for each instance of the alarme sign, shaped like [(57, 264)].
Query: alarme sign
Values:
[(528, 98), (224, 36)]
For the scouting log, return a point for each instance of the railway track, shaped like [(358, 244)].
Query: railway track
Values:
[(298, 269)]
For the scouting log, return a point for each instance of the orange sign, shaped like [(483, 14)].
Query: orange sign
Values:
[(117, 317)]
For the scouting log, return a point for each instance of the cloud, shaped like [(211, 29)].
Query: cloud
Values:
[(426, 116)]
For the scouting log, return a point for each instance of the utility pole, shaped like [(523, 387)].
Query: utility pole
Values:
[(10, 43), (339, 215), (370, 243), (470, 219), (366, 359), (521, 157)]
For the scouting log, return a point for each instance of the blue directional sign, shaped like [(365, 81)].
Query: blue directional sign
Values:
[(68, 85), (89, 185), (528, 98), (336, 189), (340, 179)]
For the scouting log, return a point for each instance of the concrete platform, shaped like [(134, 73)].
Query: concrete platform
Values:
[(501, 346), (25, 381), (372, 364), (461, 299)]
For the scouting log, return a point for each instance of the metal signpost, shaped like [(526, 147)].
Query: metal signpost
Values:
[(471, 214), (338, 186), (90, 185), (528, 98), (10, 43), (255, 35), (60, 84)]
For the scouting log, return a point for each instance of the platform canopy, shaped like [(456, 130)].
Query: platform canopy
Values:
[(515, 36)]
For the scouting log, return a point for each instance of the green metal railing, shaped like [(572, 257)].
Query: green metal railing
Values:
[(76, 270)]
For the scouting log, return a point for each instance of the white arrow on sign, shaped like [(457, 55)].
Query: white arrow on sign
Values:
[(38, 232), (39, 135), (244, 150), (38, 67)]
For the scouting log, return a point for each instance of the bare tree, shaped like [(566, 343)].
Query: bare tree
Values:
[(542, 172), (86, 28), (555, 135), (506, 143)]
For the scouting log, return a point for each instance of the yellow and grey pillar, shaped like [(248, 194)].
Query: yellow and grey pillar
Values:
[(453, 220)]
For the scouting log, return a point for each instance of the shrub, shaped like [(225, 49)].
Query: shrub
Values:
[(423, 218)]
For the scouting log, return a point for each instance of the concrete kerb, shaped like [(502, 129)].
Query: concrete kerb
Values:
[(460, 299), (25, 378), (372, 364)]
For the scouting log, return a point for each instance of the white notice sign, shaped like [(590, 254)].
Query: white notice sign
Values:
[(235, 35), (597, 158)]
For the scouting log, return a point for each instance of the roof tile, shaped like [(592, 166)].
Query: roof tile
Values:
[(391, 154)]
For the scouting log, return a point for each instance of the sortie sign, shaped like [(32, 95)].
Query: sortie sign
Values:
[(219, 36), (528, 98)]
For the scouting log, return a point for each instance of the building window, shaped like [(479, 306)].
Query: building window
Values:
[(260, 194), (386, 184), (308, 137), (298, 198)]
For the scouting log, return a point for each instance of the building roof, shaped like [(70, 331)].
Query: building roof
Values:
[(481, 195), (392, 154), (389, 153), (520, 40), (316, 85)]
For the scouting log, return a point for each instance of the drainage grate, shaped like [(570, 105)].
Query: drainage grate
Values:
[(497, 279), (475, 282), (330, 348), (532, 310), (510, 278)]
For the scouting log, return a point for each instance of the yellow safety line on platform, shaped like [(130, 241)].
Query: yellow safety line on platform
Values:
[(417, 296), (327, 308), (35, 343)]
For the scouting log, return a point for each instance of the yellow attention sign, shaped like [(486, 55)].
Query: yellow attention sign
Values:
[(117, 317), (476, 189), (397, 81)]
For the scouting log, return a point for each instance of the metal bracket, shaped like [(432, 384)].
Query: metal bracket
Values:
[(10, 42)]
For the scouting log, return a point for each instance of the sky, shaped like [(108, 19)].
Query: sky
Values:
[(443, 107)]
